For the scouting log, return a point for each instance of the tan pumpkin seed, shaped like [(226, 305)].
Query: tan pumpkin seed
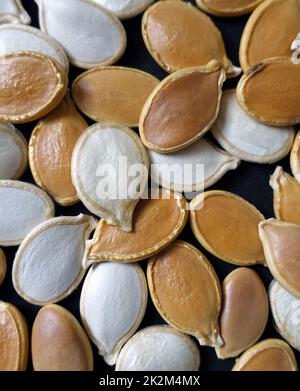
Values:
[(3, 266), (295, 157), (228, 8)]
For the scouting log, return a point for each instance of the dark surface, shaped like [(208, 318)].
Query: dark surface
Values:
[(249, 181)]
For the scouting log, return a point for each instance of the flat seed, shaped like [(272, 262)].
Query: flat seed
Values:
[(22, 207), (125, 9), (173, 32), (3, 266), (247, 139), (262, 39), (100, 146), (13, 339), (220, 219), (270, 92), (17, 38), (90, 34), (115, 94), (50, 151), (186, 291), (295, 157), (112, 305), (285, 310), (193, 92), (157, 222), (286, 196), (47, 267), (58, 342), (267, 355), (13, 152), (24, 94), (281, 243), (159, 348), (228, 8), (244, 314), (12, 11)]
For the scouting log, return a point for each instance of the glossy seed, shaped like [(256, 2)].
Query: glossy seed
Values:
[(281, 243), (295, 157), (267, 355), (58, 342), (12, 11), (228, 8), (125, 9), (3, 266), (220, 219), (194, 92), (112, 305), (286, 196), (244, 313), (157, 222), (159, 348), (50, 151), (13, 339), (115, 94), (186, 291)]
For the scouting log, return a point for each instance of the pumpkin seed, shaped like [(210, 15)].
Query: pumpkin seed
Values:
[(194, 92), (13, 339), (12, 11), (246, 138), (285, 310), (270, 92), (22, 207), (169, 29), (112, 305), (295, 157), (220, 219), (159, 348), (115, 94), (245, 312), (286, 196), (3, 266), (58, 342), (281, 246), (50, 151), (91, 156), (90, 34), (186, 291), (228, 7), (267, 355), (47, 267), (157, 222), (13, 152), (24, 95), (125, 9)]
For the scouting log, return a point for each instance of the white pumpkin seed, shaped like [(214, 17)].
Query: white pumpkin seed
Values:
[(125, 9), (12, 11)]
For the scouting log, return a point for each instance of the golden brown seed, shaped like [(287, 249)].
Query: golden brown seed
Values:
[(3, 266), (228, 8)]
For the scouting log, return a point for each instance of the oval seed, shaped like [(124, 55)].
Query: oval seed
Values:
[(12, 11), (186, 291), (226, 225), (295, 157), (194, 92), (13, 339), (157, 221), (247, 139), (285, 310), (27, 71), (281, 243), (112, 305), (50, 151), (286, 196), (90, 34), (47, 267), (261, 38), (267, 355), (228, 7), (115, 94), (171, 32), (3, 266), (125, 9), (159, 348), (22, 207), (270, 92), (108, 198), (58, 342), (17, 38), (244, 314), (13, 152), (202, 153)]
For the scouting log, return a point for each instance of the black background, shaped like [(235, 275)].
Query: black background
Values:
[(250, 181)]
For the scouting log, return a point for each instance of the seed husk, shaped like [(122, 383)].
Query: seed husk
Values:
[(228, 8)]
